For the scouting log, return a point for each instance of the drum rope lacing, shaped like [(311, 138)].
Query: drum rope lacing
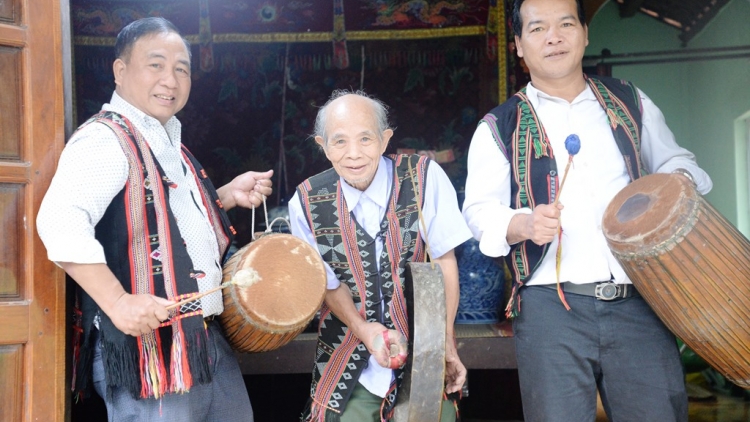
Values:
[(269, 227)]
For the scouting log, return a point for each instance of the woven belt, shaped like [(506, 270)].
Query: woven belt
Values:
[(603, 291)]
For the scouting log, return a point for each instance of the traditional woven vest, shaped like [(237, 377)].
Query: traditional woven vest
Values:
[(350, 252), (144, 250), (520, 136)]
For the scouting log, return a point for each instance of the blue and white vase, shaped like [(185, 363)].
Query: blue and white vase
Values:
[(482, 283)]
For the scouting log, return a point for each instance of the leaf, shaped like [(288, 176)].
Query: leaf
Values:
[(414, 78), (228, 89)]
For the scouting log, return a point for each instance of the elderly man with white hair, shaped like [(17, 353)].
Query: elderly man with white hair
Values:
[(362, 217)]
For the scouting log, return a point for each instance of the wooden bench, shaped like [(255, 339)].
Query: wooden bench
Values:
[(481, 346)]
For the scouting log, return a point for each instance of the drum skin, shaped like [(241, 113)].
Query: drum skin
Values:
[(275, 309), (690, 265)]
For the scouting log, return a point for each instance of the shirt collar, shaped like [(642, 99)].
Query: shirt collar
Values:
[(536, 96), (141, 119), (377, 192)]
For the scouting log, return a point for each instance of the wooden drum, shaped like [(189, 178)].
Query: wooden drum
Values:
[(290, 287), (690, 264)]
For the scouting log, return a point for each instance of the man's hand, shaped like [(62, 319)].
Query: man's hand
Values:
[(387, 354), (248, 190), (455, 371), (131, 314), (340, 301), (540, 226), (138, 314)]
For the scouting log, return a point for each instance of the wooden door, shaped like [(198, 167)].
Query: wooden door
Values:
[(34, 57)]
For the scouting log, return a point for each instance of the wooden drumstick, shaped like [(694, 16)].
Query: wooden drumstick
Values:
[(573, 145), (245, 277)]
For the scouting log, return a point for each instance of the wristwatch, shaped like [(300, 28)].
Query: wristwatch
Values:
[(686, 174)]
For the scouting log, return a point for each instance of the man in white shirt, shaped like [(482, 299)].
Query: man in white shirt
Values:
[(616, 346), (132, 217), (361, 216)]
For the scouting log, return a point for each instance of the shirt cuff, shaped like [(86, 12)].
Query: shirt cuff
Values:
[(494, 242), (78, 251)]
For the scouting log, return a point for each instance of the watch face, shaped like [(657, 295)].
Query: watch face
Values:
[(608, 291)]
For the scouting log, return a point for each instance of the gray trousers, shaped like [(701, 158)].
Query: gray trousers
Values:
[(225, 399), (620, 348)]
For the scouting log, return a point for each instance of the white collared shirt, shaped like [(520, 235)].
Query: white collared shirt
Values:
[(445, 231), (93, 169), (598, 173)]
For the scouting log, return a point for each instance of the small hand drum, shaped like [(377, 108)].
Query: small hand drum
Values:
[(289, 289)]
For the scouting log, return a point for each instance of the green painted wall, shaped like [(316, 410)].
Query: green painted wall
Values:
[(700, 100)]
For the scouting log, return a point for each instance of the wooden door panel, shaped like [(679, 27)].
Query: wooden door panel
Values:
[(9, 11), (10, 102), (15, 323), (32, 135), (11, 375), (11, 199)]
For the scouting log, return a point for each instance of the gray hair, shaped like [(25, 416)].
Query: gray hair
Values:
[(378, 107), (140, 28)]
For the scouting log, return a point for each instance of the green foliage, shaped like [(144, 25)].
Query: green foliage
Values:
[(413, 79), (228, 90), (456, 77)]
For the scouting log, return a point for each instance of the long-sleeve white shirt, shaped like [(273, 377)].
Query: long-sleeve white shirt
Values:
[(598, 173), (93, 169), (445, 231)]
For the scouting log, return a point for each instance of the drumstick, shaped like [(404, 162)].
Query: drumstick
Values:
[(573, 145), (245, 277)]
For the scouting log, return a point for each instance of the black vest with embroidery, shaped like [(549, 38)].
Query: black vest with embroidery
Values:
[(129, 232), (521, 137), (350, 252)]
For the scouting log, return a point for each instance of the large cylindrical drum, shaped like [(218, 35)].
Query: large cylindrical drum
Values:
[(690, 264), (288, 287)]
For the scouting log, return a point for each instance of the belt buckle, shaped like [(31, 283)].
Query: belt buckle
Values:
[(607, 291)]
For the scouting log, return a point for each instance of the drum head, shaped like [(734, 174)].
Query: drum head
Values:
[(649, 213), (289, 286)]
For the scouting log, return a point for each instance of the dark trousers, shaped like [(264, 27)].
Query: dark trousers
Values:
[(620, 348), (225, 399), (363, 406)]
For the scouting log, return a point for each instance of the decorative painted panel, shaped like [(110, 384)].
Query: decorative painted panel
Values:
[(435, 63)]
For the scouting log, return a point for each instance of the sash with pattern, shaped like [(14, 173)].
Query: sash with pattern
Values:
[(350, 252), (521, 137), (145, 251)]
